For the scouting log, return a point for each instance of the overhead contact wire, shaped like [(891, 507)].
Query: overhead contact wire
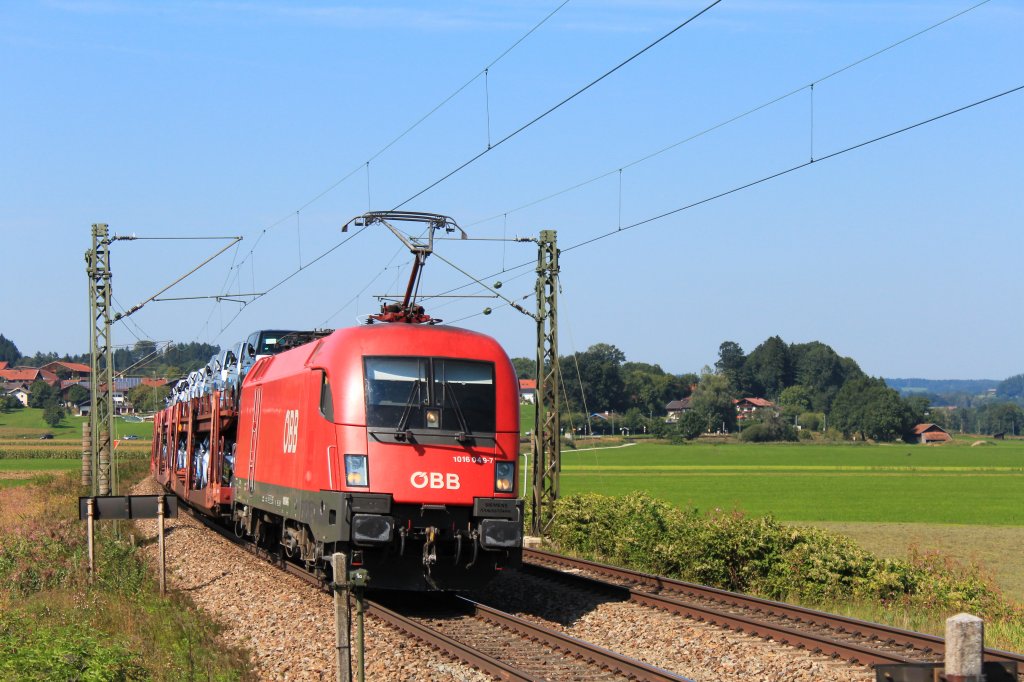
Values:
[(556, 106), (732, 119)]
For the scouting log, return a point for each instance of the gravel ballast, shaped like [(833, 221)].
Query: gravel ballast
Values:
[(288, 627)]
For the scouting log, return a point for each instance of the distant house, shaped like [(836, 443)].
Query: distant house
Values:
[(26, 376), (20, 394), (931, 433), (528, 391), (677, 408), (68, 370), (746, 408)]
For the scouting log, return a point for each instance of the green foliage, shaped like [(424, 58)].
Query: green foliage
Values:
[(39, 394), (525, 368), (770, 430), (76, 394), (9, 402), (712, 403), (690, 425), (795, 400), (759, 555), (1011, 388), (41, 652), (770, 366), (8, 351), (148, 398), (810, 421), (117, 628), (53, 413), (730, 363), (868, 407)]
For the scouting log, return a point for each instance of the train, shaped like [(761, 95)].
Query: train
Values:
[(396, 443)]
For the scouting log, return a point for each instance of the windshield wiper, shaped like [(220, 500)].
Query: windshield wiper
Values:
[(401, 431), (463, 434)]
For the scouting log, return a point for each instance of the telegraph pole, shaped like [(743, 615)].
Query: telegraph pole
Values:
[(101, 353), (546, 442)]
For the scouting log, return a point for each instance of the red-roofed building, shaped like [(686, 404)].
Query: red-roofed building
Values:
[(26, 376), (528, 390), (931, 433), (3, 364), (68, 370), (746, 408)]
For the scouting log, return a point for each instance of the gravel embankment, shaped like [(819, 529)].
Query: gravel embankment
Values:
[(289, 627), (702, 652), (286, 625)]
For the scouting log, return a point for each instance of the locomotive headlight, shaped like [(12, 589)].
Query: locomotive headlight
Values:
[(504, 476), (355, 471), (433, 417)]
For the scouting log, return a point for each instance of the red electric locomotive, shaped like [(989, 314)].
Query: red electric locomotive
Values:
[(395, 443)]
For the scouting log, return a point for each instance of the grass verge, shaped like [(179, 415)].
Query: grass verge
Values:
[(55, 625)]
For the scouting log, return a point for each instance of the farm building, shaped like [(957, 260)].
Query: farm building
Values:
[(746, 407), (527, 391), (678, 407), (931, 433)]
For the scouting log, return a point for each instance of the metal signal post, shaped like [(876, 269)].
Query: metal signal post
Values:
[(101, 353), (546, 442)]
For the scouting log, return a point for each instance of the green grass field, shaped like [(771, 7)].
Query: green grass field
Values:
[(951, 484), (28, 423)]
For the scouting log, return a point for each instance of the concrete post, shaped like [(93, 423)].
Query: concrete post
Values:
[(342, 646), (86, 455), (965, 641), (91, 507), (162, 556)]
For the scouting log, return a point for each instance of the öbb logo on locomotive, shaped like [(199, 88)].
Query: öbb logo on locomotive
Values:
[(291, 431), (378, 410), (435, 479)]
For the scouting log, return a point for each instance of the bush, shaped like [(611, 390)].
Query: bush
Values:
[(768, 431), (759, 555), (811, 420)]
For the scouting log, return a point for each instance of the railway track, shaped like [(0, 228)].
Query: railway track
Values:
[(496, 643), (838, 636), (511, 648)]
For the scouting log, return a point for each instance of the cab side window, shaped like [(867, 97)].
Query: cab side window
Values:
[(326, 399)]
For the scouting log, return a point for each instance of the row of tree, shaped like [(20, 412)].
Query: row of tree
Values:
[(144, 358), (810, 383)]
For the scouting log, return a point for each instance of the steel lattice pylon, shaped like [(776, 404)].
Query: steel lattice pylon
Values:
[(101, 352), (546, 441)]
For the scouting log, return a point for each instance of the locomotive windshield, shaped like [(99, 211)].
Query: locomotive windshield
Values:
[(441, 394)]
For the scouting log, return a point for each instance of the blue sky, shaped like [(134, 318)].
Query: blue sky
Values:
[(228, 118)]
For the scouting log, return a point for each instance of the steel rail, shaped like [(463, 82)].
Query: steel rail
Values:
[(607, 659), (624, 665), (928, 645)]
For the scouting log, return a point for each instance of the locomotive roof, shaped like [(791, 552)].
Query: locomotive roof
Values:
[(350, 344)]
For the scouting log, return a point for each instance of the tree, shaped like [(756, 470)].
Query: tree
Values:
[(712, 403), (525, 368), (730, 363), (770, 367), (917, 409), (818, 369), (600, 373), (53, 413), (866, 406), (39, 394), (9, 402), (148, 398), (76, 394), (1011, 388), (795, 400), (8, 351)]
